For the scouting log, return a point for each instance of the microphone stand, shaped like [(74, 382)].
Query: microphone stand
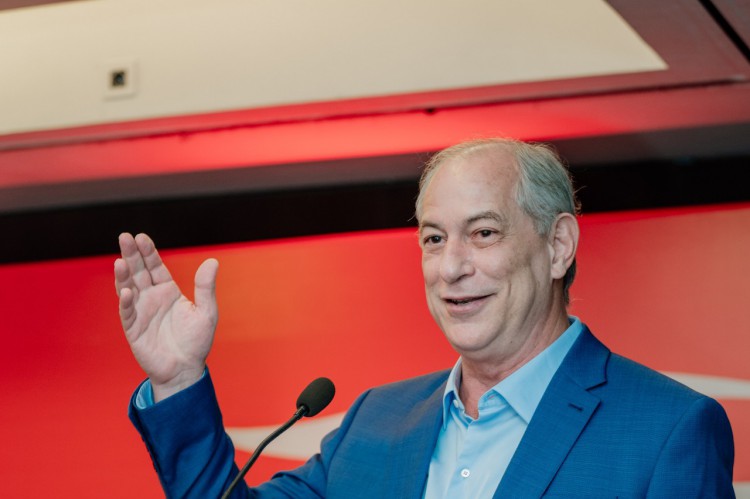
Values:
[(301, 412)]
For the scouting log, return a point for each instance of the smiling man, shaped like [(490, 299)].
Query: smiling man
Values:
[(535, 406)]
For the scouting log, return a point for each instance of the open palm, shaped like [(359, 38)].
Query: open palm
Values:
[(170, 336)]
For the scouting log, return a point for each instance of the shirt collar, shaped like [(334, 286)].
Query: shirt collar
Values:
[(524, 388)]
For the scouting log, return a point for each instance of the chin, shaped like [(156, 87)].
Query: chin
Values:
[(466, 342)]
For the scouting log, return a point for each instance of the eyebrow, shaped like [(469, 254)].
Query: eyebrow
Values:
[(428, 225), (484, 215)]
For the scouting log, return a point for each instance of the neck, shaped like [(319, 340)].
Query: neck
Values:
[(479, 375)]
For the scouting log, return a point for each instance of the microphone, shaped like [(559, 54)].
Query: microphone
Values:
[(310, 402), (316, 396)]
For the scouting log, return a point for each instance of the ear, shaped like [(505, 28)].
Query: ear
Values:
[(563, 241)]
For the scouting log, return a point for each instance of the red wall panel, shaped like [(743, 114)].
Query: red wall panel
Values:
[(668, 288)]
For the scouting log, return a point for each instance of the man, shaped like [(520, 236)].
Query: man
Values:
[(535, 405)]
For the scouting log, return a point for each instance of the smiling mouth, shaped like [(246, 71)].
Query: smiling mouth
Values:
[(464, 301)]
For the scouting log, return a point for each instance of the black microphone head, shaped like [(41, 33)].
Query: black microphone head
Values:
[(316, 396)]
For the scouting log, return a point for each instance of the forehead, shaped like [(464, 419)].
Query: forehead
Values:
[(480, 180)]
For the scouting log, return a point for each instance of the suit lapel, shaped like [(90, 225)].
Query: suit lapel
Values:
[(418, 437), (562, 414)]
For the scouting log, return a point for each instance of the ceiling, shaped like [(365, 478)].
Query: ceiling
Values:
[(237, 96)]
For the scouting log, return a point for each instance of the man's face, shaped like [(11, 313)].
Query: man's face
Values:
[(486, 270)]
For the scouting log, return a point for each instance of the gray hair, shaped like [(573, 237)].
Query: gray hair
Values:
[(545, 188)]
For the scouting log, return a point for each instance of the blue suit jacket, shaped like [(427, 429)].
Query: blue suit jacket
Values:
[(605, 427)]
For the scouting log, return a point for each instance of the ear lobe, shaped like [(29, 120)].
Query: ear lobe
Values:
[(563, 244)]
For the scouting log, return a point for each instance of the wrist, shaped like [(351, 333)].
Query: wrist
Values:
[(176, 384)]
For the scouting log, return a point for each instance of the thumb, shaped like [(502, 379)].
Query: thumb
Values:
[(205, 286)]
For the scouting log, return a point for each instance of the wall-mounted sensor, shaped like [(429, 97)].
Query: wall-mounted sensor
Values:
[(119, 78)]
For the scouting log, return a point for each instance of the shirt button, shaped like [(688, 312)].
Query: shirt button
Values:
[(465, 473), (455, 403)]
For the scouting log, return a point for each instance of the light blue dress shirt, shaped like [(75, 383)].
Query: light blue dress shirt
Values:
[(471, 456), (144, 398)]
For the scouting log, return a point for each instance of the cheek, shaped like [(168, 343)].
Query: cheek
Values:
[(496, 263), (429, 269)]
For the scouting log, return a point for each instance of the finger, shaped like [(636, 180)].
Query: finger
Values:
[(122, 276), (205, 286), (127, 309), (140, 278), (151, 259)]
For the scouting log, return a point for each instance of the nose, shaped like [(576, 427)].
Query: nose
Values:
[(455, 261)]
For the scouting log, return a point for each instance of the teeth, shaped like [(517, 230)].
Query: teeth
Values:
[(460, 302)]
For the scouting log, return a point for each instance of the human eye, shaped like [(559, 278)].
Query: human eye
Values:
[(432, 240), (485, 237), (430, 235)]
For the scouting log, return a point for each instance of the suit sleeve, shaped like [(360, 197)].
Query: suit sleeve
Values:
[(697, 458), (185, 437), (194, 457)]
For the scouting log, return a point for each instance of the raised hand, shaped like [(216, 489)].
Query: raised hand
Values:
[(170, 336)]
